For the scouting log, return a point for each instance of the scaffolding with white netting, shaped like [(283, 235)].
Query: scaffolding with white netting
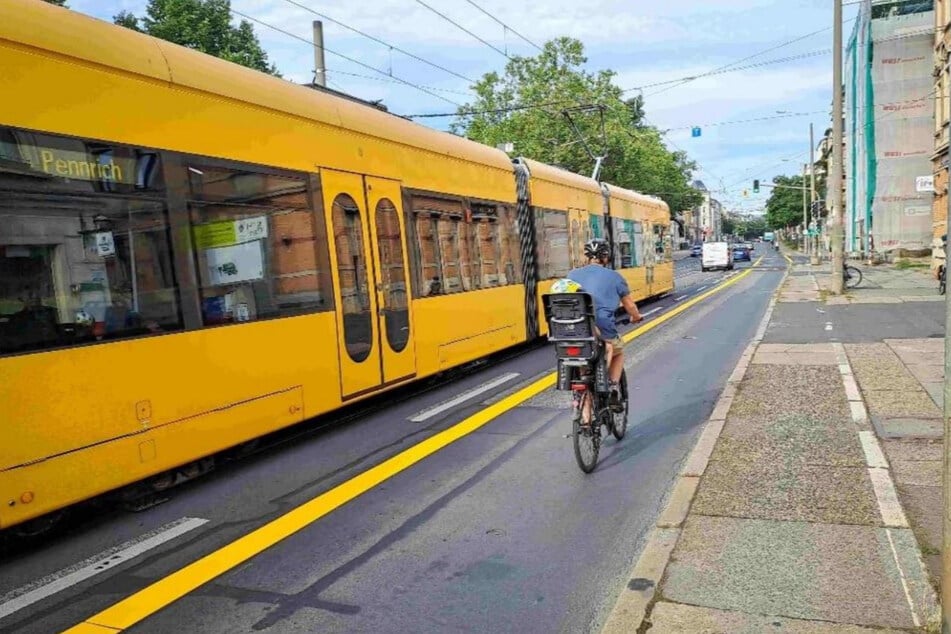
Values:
[(889, 125)]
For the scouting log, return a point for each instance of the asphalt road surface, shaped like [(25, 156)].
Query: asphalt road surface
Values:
[(498, 531)]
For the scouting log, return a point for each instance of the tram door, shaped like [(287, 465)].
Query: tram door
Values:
[(371, 288)]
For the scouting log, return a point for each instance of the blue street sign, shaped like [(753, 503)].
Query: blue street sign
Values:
[(695, 132)]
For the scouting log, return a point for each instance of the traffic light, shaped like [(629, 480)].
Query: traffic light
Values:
[(756, 186)]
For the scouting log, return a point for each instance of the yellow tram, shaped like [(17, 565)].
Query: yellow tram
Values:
[(194, 254)]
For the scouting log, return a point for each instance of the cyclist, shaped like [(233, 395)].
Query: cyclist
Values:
[(607, 288)]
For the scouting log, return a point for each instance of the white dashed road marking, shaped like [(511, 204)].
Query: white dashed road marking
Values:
[(428, 413), (107, 560)]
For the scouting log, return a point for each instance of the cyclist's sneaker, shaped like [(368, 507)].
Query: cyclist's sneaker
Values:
[(615, 399)]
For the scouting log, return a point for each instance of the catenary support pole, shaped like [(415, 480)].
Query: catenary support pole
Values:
[(835, 173)]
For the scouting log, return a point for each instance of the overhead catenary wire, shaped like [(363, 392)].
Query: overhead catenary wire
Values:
[(346, 57), (686, 78), (547, 104), (383, 42), (388, 80), (464, 29), (504, 25), (861, 129)]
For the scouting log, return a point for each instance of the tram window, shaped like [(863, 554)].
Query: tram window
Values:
[(352, 270), (448, 229), (509, 246), (626, 239), (468, 264), (255, 245), (596, 224), (430, 282), (554, 255), (488, 254), (84, 247), (395, 297), (662, 245)]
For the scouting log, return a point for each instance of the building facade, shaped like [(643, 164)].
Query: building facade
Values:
[(942, 115), (708, 215), (889, 123)]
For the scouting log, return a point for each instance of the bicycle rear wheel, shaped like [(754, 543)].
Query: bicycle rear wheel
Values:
[(619, 427), (853, 277), (586, 438)]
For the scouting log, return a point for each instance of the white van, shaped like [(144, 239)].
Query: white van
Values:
[(716, 255)]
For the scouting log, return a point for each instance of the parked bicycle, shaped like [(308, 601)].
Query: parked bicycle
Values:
[(851, 276), (942, 268), (583, 369)]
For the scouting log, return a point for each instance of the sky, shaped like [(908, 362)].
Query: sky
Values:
[(644, 42)]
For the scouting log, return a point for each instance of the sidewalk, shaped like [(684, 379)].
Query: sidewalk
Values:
[(812, 500)]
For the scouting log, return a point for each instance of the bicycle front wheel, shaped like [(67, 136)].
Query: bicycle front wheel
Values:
[(586, 438), (853, 277)]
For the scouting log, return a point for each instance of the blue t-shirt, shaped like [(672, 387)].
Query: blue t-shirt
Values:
[(606, 287)]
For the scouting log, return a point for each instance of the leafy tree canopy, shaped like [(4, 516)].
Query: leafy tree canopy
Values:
[(204, 25), (784, 206), (554, 80)]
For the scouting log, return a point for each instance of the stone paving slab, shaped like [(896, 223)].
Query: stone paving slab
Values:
[(885, 373), (900, 403), (922, 506), (936, 392), (926, 372), (925, 473), (794, 347), (916, 450), (795, 493), (676, 618), (790, 440), (795, 358), (811, 391), (842, 574), (908, 428), (934, 345)]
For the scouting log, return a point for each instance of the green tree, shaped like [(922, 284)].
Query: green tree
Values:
[(784, 206), (754, 227), (204, 25), (524, 106)]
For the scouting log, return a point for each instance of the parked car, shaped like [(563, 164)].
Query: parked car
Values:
[(741, 253), (696, 250), (749, 245)]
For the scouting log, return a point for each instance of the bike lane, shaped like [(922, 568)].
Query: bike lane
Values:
[(498, 531)]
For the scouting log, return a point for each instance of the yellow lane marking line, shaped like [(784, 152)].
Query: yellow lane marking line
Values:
[(169, 589)]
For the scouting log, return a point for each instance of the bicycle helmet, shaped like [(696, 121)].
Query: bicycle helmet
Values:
[(597, 249), (564, 285)]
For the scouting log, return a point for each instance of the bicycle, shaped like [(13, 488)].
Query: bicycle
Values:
[(583, 369), (942, 268), (851, 276)]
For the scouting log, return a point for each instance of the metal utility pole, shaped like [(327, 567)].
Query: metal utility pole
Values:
[(812, 196), (320, 68), (805, 214), (835, 175), (946, 469)]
